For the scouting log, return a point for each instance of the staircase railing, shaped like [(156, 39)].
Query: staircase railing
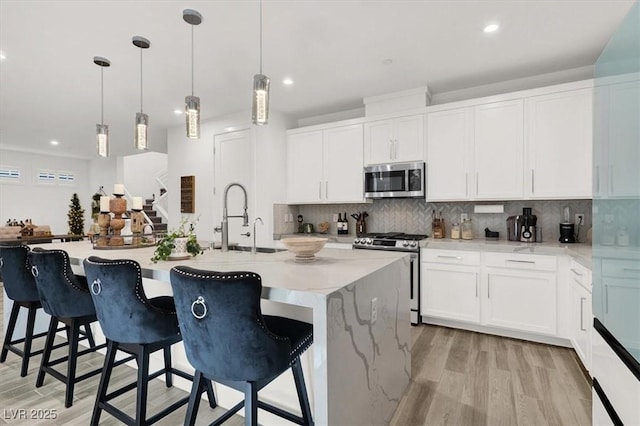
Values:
[(161, 203), (129, 199)]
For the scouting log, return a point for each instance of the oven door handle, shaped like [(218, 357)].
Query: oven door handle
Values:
[(411, 277)]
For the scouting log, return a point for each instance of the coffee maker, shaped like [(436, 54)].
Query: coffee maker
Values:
[(527, 225)]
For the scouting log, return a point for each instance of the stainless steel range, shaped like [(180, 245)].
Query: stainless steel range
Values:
[(398, 241)]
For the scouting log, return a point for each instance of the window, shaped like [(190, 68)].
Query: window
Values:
[(46, 176), (66, 177), (10, 174)]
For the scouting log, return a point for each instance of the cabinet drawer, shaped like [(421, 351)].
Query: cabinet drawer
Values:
[(580, 275), (520, 261), (455, 257), (620, 268)]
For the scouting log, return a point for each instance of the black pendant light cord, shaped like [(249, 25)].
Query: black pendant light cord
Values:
[(260, 36), (192, 73), (141, 81), (102, 95)]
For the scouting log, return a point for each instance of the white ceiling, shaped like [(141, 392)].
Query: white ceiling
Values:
[(333, 50)]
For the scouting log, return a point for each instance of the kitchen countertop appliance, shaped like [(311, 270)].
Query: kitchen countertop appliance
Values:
[(527, 223), (567, 229), (399, 241)]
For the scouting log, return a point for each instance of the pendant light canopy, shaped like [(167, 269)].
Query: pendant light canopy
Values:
[(260, 107), (142, 119), (102, 130), (192, 103)]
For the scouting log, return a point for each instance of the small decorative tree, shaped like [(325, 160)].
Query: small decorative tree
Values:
[(76, 216)]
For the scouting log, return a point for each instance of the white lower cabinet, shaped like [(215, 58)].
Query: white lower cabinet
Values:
[(509, 291), (581, 313), (520, 300), (452, 289)]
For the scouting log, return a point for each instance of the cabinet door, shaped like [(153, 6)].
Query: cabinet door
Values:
[(581, 321), (498, 140), (448, 160), (408, 143), (450, 292), (621, 313), (520, 300), (623, 136), (304, 164), (559, 145), (378, 142), (343, 162)]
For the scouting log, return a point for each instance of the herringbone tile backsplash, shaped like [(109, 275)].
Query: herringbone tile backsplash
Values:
[(414, 216)]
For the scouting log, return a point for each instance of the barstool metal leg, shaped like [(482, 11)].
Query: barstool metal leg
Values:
[(194, 398), (143, 385), (28, 339), (251, 404), (303, 397), (89, 334), (13, 318), (167, 366), (112, 348), (46, 355), (72, 362)]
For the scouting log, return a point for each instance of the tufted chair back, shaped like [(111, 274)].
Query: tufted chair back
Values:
[(124, 312), (62, 293), (223, 330), (16, 273)]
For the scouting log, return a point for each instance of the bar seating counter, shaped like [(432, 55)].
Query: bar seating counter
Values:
[(360, 360)]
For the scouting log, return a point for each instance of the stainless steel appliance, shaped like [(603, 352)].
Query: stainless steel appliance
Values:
[(398, 241), (528, 222), (400, 180)]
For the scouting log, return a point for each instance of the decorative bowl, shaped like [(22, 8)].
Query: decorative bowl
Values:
[(304, 248)]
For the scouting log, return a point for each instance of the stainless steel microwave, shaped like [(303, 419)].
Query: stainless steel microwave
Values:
[(398, 180)]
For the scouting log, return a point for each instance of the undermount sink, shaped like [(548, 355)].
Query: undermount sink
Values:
[(258, 249)]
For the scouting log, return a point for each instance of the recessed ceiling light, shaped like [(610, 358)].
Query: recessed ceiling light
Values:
[(54, 143), (177, 111), (287, 81), (2, 56), (491, 28)]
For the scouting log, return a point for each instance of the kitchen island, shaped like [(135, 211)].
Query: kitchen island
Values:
[(359, 305)]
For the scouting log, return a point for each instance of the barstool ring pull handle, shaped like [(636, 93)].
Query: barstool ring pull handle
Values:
[(96, 287), (34, 271), (199, 301)]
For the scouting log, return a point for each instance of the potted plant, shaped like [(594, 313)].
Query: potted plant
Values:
[(181, 243)]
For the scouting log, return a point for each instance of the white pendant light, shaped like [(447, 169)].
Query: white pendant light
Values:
[(142, 119), (260, 107), (192, 103), (102, 130)]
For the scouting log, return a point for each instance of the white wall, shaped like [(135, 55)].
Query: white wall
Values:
[(45, 204), (195, 158), (140, 172)]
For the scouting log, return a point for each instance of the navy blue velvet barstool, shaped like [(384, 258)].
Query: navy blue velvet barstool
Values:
[(21, 289), (136, 325), (228, 340), (66, 298)]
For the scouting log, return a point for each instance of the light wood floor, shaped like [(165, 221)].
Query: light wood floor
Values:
[(459, 378), (466, 378)]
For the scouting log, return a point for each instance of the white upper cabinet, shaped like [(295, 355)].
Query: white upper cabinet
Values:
[(623, 173), (325, 166), (498, 149), (559, 145), (342, 168), (449, 147), (394, 140)]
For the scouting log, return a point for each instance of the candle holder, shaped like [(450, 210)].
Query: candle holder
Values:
[(118, 207), (104, 219), (137, 225)]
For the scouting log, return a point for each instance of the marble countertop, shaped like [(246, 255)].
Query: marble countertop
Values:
[(580, 252), (283, 278)]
